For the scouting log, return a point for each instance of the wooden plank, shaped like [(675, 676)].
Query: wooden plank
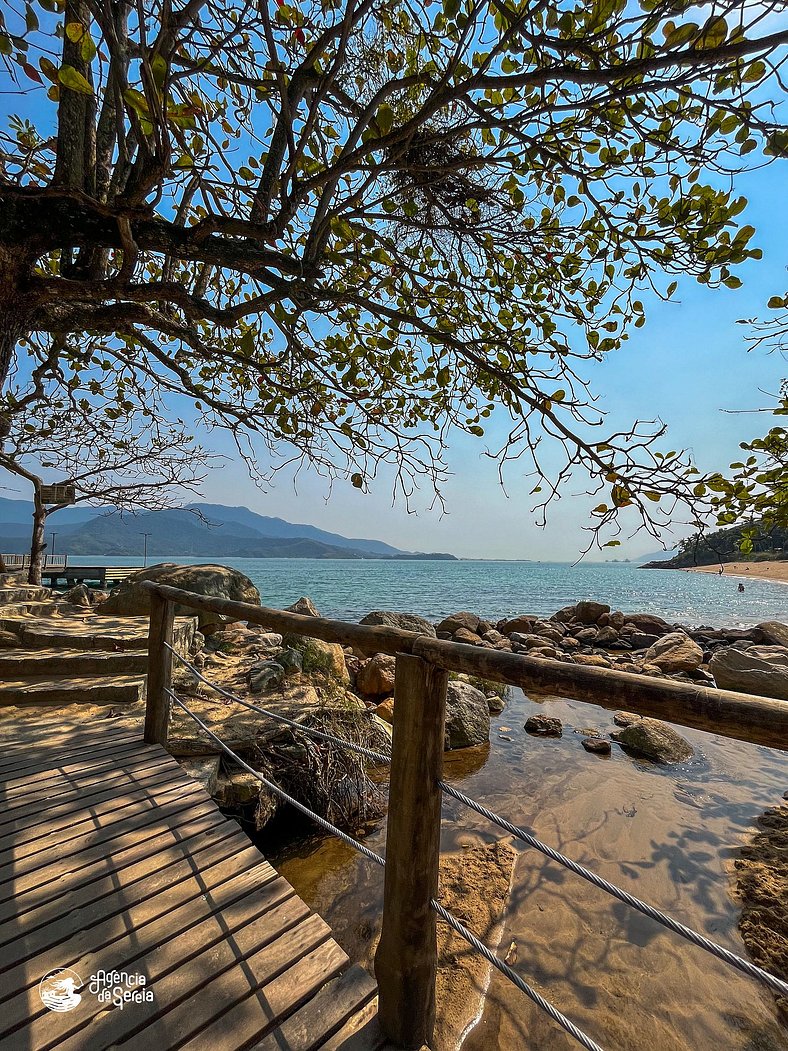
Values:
[(128, 946), (176, 970), (281, 976), (94, 922), (406, 961), (361, 1033), (334, 1005), (24, 748), (46, 768), (21, 916), (99, 857), (39, 780), (55, 804), (104, 808)]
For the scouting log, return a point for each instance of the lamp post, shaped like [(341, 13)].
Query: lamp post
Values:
[(145, 548), (52, 552)]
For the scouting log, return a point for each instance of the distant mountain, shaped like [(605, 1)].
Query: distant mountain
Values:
[(657, 556), (723, 545), (199, 531)]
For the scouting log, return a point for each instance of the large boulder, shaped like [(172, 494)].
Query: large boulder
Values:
[(459, 620), (319, 656), (131, 600), (759, 670), (774, 632), (375, 677), (521, 625), (655, 740), (467, 716), (648, 623), (588, 612), (406, 621), (674, 653), (305, 607)]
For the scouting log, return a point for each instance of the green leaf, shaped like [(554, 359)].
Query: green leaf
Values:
[(451, 7), (73, 80), (137, 101), (357, 480), (75, 31), (385, 118), (159, 70), (776, 302)]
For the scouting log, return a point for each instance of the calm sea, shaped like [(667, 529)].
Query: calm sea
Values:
[(348, 589)]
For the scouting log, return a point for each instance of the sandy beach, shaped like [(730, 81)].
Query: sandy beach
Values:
[(777, 571)]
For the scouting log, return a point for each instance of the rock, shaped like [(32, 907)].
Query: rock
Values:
[(470, 637), (625, 718), (544, 726), (495, 704), (326, 657), (484, 627), (459, 620), (549, 632), (587, 635), (640, 641), (565, 614), (748, 672), (606, 635), (130, 600), (570, 643), (648, 624), (655, 740), (8, 640), (598, 745), (386, 710), (304, 606), (591, 660), (405, 621), (265, 676), (375, 677), (467, 716), (494, 636), (773, 632), (292, 660), (674, 653), (520, 624), (617, 620), (588, 612), (268, 642), (80, 595), (544, 651)]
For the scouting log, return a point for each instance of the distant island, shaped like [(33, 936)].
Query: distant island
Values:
[(200, 530)]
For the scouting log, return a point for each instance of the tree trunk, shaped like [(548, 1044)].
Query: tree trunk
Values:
[(38, 542)]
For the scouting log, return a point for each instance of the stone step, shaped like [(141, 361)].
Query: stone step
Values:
[(81, 689), (23, 593), (42, 608), (22, 663), (94, 633)]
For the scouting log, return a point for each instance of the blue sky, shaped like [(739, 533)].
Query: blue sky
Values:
[(686, 365)]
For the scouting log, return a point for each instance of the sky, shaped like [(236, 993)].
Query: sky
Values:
[(688, 364)]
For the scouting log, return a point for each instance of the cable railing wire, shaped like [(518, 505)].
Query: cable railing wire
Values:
[(514, 977), (273, 787), (369, 753), (750, 969), (719, 951), (442, 912)]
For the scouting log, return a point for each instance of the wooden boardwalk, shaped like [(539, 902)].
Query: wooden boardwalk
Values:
[(113, 859)]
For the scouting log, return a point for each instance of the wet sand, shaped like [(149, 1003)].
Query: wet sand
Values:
[(775, 571), (669, 835)]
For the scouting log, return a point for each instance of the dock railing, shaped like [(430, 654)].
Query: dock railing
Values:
[(47, 561), (406, 960)]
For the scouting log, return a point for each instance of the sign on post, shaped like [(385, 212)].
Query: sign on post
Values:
[(58, 494)]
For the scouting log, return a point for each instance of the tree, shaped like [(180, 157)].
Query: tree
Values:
[(124, 464), (351, 227)]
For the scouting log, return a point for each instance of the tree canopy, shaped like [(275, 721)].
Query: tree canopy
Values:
[(348, 227)]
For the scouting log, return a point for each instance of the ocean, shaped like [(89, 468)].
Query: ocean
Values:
[(347, 589)]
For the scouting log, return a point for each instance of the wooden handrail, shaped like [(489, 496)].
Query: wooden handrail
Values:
[(406, 959), (742, 716)]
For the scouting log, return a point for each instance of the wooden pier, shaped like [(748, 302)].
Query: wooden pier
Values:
[(114, 860)]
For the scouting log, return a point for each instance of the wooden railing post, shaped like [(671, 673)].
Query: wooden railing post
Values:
[(406, 960), (157, 710)]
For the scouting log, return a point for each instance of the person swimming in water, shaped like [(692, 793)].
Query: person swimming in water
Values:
[(741, 587)]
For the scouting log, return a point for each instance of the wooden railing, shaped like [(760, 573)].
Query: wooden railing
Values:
[(406, 959), (47, 561)]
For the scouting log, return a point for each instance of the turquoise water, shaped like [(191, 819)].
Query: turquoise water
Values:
[(348, 589)]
